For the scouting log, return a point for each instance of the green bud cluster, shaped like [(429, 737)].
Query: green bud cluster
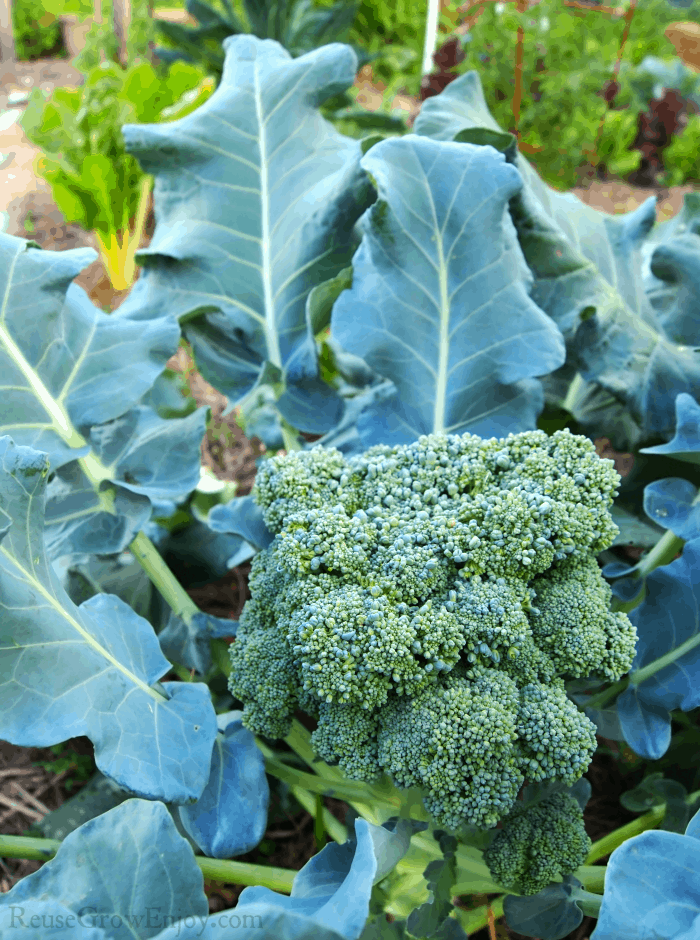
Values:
[(426, 602)]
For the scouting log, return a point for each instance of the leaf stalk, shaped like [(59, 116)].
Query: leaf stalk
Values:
[(213, 869)]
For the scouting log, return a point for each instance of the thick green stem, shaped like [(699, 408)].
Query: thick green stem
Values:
[(589, 904), (613, 840), (347, 790), (372, 800), (649, 820), (577, 386), (175, 596), (607, 695), (646, 672), (214, 869), (592, 877), (290, 436), (662, 553)]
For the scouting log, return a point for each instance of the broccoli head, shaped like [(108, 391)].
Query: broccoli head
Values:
[(425, 604), (538, 843)]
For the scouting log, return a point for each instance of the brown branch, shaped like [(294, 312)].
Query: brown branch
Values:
[(614, 11)]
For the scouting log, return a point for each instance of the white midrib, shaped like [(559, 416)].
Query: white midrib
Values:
[(443, 341), (271, 338), (87, 638)]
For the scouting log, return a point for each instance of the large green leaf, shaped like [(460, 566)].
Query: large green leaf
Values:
[(67, 670), (590, 277), (256, 196), (439, 299), (147, 459), (71, 377), (64, 365)]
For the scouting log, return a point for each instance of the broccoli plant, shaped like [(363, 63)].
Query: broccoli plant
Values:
[(435, 340)]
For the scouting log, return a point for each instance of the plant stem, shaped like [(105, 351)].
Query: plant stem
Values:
[(589, 904), (147, 555), (609, 843), (637, 676), (290, 436), (478, 918), (662, 553), (607, 695), (335, 829), (372, 800), (518, 76), (229, 872), (133, 240), (578, 384), (346, 790)]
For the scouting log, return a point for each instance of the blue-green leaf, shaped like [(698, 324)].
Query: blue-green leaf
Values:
[(242, 516), (439, 300), (549, 915), (672, 504), (68, 671), (148, 458), (685, 444), (230, 817), (65, 365), (631, 334), (652, 888), (122, 876), (256, 197), (329, 899), (668, 624)]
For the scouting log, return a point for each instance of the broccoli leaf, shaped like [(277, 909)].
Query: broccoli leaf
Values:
[(652, 791), (123, 875), (65, 365), (589, 277), (549, 915), (685, 444), (439, 299), (242, 516), (665, 673), (230, 816), (89, 669), (330, 895), (672, 270), (441, 876), (256, 198), (652, 889), (149, 459), (672, 504)]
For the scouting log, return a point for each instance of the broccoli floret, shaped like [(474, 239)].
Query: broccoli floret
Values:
[(347, 736), (538, 844), (425, 603), (459, 742), (572, 621)]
